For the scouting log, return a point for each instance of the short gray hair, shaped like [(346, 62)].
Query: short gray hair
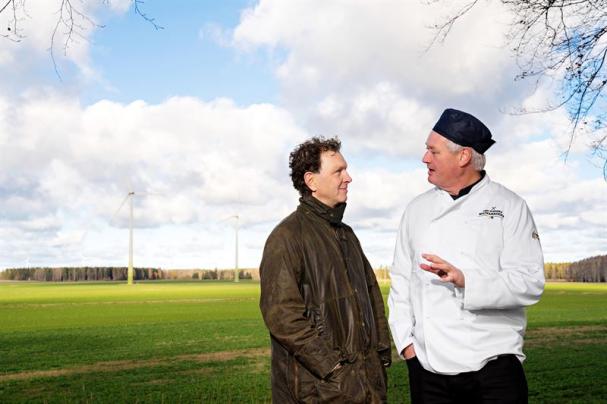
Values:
[(478, 160)]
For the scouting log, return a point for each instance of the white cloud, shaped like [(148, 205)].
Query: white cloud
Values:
[(362, 71), (215, 33), (70, 166), (379, 119), (206, 161), (120, 6), (355, 69), (337, 48), (566, 206)]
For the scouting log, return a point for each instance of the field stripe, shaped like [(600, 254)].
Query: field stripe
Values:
[(543, 336), (113, 366), (128, 302), (583, 334)]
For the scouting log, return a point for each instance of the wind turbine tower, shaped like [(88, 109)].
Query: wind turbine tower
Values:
[(236, 274), (130, 195), (236, 228)]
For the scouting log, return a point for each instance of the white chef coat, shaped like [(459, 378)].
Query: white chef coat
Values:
[(490, 236)]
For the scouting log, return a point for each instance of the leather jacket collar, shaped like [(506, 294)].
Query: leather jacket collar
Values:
[(332, 215)]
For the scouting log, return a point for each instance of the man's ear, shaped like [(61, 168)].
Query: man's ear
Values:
[(465, 157), (310, 180)]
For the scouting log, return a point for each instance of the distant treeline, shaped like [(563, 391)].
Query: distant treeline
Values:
[(210, 274), (593, 269), (78, 274)]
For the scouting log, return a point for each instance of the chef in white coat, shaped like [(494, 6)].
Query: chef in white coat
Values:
[(467, 262)]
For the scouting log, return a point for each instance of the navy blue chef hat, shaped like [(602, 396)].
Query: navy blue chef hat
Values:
[(464, 130)]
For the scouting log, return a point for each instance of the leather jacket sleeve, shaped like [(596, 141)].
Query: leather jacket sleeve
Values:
[(283, 307), (384, 347)]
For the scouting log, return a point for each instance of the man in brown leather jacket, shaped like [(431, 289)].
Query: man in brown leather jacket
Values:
[(319, 296)]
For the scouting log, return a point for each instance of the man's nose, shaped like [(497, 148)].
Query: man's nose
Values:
[(426, 157), (347, 177)]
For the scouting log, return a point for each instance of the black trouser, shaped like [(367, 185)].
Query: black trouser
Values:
[(501, 380)]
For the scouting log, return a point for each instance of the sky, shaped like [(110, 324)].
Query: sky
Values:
[(198, 118)]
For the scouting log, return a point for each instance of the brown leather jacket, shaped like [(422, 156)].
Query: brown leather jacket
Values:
[(322, 305)]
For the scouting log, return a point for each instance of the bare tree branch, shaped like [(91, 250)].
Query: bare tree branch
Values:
[(443, 30), (13, 34), (138, 10), (70, 27), (6, 5)]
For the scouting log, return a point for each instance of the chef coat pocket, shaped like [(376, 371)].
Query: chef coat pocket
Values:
[(487, 235), (501, 318)]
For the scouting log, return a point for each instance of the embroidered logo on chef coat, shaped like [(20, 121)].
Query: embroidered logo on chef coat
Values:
[(491, 213), (535, 235)]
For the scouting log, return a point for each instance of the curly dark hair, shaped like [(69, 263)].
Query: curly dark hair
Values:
[(306, 157)]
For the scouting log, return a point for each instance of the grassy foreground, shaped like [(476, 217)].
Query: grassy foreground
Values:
[(206, 342)]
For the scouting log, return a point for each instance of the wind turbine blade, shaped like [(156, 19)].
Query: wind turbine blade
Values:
[(84, 233), (225, 219), (137, 193), (120, 207)]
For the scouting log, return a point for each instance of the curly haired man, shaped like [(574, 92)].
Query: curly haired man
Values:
[(319, 297)]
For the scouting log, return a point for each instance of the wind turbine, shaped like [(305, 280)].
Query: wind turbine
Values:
[(236, 275), (129, 196)]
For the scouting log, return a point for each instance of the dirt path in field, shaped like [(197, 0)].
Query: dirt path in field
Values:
[(585, 334), (546, 336), (113, 366)]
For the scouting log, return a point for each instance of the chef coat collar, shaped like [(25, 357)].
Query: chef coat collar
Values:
[(332, 215), (466, 190), (448, 204)]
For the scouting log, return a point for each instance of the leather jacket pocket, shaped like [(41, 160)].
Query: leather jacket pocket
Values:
[(377, 374), (301, 382), (343, 386)]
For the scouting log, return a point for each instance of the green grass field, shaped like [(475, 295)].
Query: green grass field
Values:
[(206, 342)]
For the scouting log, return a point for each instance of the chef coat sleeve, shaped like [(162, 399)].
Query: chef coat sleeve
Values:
[(400, 312), (519, 280), (283, 308)]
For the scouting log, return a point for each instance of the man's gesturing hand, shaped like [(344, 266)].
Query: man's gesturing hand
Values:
[(445, 271)]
